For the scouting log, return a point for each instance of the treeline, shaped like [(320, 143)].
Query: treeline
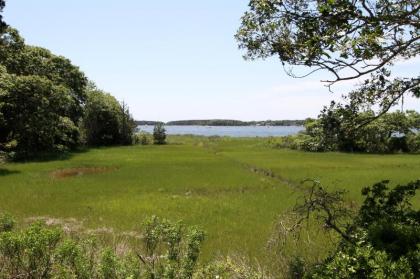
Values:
[(226, 122), (47, 104), (337, 130), (146, 122)]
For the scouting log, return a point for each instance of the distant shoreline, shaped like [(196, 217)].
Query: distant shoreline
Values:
[(224, 122)]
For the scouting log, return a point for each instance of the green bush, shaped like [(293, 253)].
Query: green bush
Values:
[(159, 134), (363, 261), (143, 138), (106, 121), (381, 241), (41, 99), (413, 142), (6, 222), (169, 250)]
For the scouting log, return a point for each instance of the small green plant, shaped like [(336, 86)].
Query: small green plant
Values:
[(381, 240), (170, 250), (159, 134), (143, 138), (6, 222)]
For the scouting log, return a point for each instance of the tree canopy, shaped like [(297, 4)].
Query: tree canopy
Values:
[(2, 23), (348, 39), (47, 105), (106, 121)]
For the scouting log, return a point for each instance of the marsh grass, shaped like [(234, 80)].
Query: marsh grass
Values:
[(234, 189)]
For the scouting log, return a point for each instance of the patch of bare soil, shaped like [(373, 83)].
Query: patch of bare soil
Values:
[(71, 172)]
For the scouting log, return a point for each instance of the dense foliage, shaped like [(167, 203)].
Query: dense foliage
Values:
[(41, 98), (106, 121), (159, 134), (383, 241), (33, 115), (380, 240), (168, 250), (229, 122), (3, 25), (347, 39), (146, 122), (46, 105), (338, 129)]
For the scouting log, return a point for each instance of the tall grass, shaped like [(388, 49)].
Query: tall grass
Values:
[(233, 188)]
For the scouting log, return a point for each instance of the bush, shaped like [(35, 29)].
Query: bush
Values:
[(142, 138), (363, 261), (298, 142), (159, 134), (41, 99), (106, 121), (38, 124), (6, 222), (381, 241), (413, 142), (231, 268), (169, 250), (338, 130)]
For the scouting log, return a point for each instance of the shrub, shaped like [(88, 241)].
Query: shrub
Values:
[(6, 222), (362, 261), (381, 241), (106, 121), (170, 250), (38, 124), (413, 142), (231, 268), (142, 138), (159, 134), (41, 99)]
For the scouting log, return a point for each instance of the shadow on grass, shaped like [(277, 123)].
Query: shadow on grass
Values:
[(4, 172), (48, 156)]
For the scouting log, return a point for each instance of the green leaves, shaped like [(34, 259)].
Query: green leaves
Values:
[(172, 250), (34, 109), (41, 99), (159, 134), (381, 240), (106, 121), (347, 39)]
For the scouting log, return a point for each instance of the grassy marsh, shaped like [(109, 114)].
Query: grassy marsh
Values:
[(232, 188)]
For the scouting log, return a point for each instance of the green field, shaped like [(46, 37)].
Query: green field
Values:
[(232, 188)]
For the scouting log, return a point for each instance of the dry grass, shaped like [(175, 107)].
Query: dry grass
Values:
[(70, 172)]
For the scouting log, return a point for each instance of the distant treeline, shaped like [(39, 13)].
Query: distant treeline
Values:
[(227, 122), (145, 122)]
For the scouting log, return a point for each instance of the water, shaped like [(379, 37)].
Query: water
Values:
[(232, 131)]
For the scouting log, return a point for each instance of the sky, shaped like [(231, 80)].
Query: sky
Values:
[(173, 60)]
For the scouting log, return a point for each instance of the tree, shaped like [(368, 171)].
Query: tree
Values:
[(127, 125), (3, 25), (23, 60), (32, 117), (348, 39), (381, 240), (41, 98), (106, 121), (159, 134)]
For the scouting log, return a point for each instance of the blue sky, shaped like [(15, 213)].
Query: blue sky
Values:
[(172, 60)]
